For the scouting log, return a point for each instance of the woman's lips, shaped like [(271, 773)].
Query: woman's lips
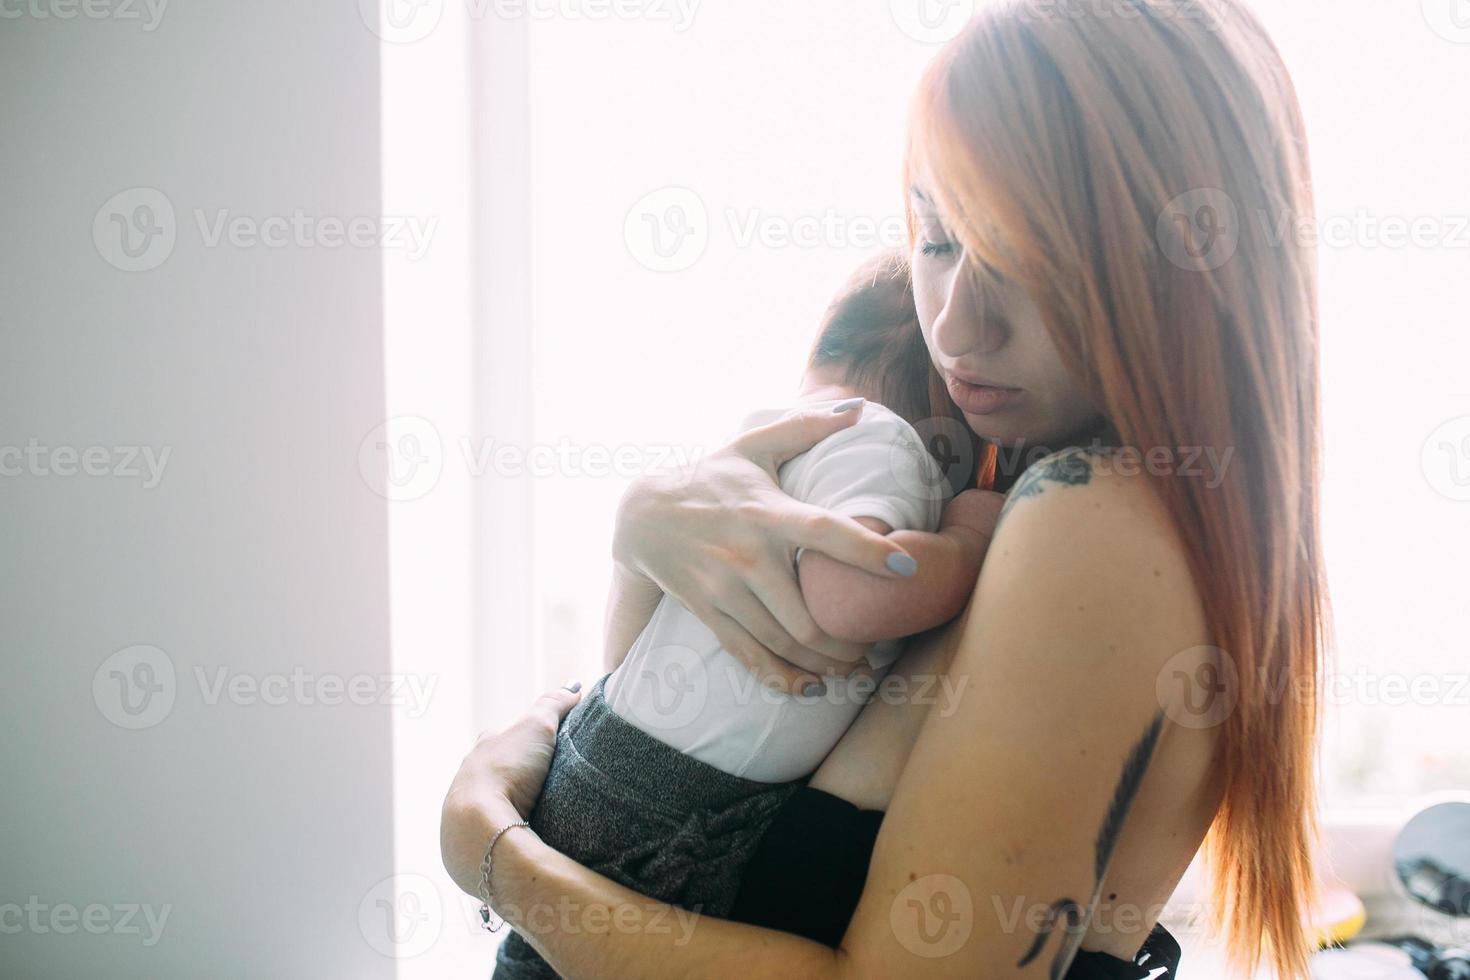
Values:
[(981, 399)]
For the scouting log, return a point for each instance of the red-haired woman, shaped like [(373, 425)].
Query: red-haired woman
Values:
[(1092, 190)]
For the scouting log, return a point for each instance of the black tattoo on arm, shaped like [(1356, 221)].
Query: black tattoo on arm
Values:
[(1123, 794), (1072, 468), (1076, 926), (1077, 918)]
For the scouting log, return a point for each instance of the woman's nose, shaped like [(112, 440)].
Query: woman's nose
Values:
[(970, 321)]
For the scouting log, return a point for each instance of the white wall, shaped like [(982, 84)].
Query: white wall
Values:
[(259, 829)]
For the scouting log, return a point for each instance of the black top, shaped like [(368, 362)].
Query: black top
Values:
[(808, 873)]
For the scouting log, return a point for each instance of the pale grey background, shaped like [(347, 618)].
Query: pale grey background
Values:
[(261, 550)]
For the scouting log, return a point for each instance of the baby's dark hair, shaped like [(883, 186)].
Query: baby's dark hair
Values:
[(870, 334)]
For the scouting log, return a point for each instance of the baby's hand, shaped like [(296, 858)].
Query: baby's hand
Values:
[(977, 510)]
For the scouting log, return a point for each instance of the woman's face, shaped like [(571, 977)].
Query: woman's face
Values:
[(987, 339)]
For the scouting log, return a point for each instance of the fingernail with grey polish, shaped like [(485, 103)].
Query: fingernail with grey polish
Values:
[(847, 406), (574, 686), (902, 564), (813, 688)]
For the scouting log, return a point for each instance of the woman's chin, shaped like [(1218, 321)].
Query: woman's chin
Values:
[(1005, 433), (1035, 437)]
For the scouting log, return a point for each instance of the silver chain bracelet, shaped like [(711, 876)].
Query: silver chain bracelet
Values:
[(485, 877)]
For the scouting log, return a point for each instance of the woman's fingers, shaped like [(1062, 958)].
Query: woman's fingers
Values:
[(845, 540), (747, 610), (768, 668), (777, 588), (548, 710), (561, 700), (778, 441)]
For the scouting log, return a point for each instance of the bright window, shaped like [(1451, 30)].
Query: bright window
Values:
[(767, 134)]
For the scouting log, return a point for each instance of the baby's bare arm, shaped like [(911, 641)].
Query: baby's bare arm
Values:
[(851, 604), (630, 604)]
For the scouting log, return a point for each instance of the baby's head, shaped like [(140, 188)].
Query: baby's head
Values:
[(870, 342)]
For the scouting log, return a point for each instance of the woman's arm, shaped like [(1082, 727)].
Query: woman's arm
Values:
[(1010, 806), (1002, 825), (589, 926)]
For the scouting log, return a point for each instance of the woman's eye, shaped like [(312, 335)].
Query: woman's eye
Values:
[(936, 248)]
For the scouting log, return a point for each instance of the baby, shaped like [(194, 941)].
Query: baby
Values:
[(672, 766)]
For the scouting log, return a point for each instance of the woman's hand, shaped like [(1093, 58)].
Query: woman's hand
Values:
[(497, 784), (722, 539)]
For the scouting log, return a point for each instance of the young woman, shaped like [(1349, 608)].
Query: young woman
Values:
[(1092, 195)]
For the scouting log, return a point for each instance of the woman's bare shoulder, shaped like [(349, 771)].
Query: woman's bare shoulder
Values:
[(1103, 476), (1083, 534)]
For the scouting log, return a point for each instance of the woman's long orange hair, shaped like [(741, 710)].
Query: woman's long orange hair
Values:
[(1133, 167)]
